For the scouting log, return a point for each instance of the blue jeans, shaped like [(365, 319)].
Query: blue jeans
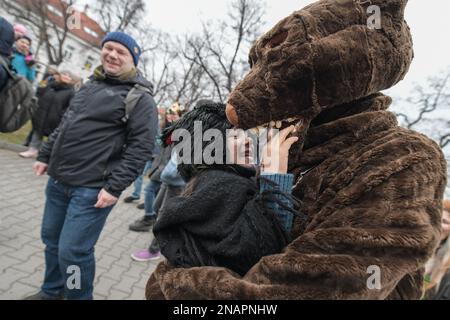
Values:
[(151, 190), (70, 229), (138, 182)]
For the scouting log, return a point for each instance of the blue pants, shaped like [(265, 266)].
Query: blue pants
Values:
[(138, 182), (70, 230), (151, 190)]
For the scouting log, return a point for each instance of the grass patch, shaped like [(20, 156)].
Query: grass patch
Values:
[(17, 137)]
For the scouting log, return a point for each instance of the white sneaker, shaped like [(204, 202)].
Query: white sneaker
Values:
[(31, 153)]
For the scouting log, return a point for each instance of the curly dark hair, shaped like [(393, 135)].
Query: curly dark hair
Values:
[(212, 116)]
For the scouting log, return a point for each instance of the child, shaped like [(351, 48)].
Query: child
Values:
[(21, 32), (23, 61), (225, 217)]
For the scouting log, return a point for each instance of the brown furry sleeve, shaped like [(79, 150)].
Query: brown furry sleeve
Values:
[(394, 227)]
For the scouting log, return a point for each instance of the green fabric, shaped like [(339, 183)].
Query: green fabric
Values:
[(100, 75)]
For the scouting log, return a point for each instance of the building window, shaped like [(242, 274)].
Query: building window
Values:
[(68, 52), (89, 63), (54, 10), (90, 32)]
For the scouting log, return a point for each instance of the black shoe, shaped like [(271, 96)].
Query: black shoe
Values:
[(143, 225), (130, 199), (42, 296), (154, 246), (141, 206)]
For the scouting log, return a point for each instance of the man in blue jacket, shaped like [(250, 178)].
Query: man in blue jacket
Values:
[(6, 43), (97, 151)]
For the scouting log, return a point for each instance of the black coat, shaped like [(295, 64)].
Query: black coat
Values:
[(6, 43), (54, 99), (220, 220), (3, 74), (159, 163), (93, 147), (6, 37)]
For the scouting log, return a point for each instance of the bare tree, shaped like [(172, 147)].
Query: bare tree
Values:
[(123, 15), (445, 139), (190, 83), (45, 23), (207, 65), (429, 105), (428, 99), (156, 66), (221, 49), (175, 79), (428, 111)]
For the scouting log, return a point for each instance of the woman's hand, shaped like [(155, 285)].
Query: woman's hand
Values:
[(276, 152)]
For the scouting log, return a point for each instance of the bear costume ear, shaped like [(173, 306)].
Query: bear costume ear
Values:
[(324, 55)]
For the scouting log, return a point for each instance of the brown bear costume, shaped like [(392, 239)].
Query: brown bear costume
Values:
[(372, 190)]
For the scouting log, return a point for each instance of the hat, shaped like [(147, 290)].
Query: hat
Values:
[(125, 40), (20, 28), (6, 37)]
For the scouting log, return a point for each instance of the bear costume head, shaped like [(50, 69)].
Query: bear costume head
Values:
[(320, 57)]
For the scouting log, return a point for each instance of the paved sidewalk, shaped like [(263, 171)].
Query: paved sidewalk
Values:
[(22, 252)]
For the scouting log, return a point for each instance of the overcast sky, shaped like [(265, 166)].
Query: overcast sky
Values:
[(429, 21)]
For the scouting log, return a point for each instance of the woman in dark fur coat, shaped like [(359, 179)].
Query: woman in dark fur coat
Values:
[(225, 218)]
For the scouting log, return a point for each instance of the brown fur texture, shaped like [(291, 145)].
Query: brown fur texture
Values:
[(323, 56), (373, 195)]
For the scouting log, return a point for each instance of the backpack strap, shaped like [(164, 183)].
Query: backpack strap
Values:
[(3, 62), (5, 65), (132, 100)]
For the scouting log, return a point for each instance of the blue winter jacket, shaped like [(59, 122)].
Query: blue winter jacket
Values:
[(20, 66)]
